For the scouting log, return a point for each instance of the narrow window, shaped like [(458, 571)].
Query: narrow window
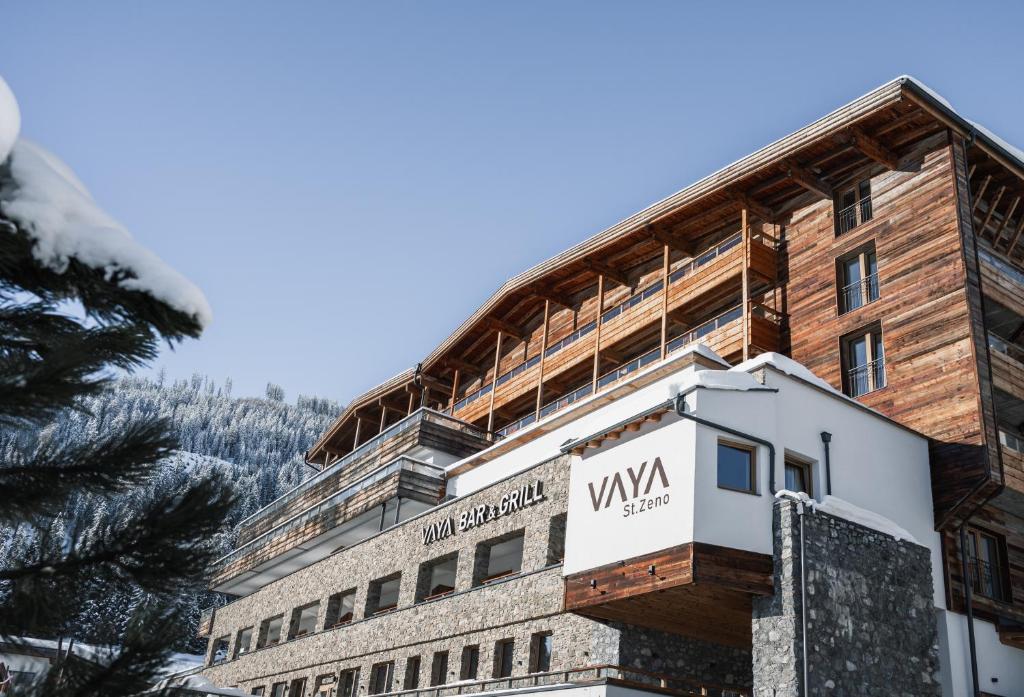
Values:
[(270, 632), (497, 558), (986, 554), (340, 608), (439, 669), (348, 682), (220, 649), (858, 279), (864, 362), (556, 539), (437, 577), (380, 677), (798, 476), (540, 652), (736, 467), (278, 689), (470, 663), (504, 652), (243, 642), (383, 595), (297, 688), (258, 691), (303, 620), (853, 207), (412, 673)]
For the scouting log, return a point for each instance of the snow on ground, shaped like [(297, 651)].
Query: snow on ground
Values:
[(49, 203), (10, 120), (841, 508)]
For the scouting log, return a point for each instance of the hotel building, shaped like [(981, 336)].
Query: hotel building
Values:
[(577, 489)]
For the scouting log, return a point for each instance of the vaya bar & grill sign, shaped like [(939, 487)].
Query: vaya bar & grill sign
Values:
[(517, 499)]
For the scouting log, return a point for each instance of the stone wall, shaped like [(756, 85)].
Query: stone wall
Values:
[(683, 657), (870, 617)]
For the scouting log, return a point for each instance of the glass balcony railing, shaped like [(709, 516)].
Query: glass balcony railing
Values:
[(632, 301), (408, 423), (566, 399), (305, 516), (705, 257), (704, 329), (629, 367), (571, 339)]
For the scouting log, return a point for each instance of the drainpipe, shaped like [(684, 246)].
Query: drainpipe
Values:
[(826, 438), (681, 411), (969, 610)]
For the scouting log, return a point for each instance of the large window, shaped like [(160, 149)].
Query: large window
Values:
[(348, 683), (540, 652), (303, 620), (380, 677), (270, 632), (439, 669), (437, 577), (863, 362), (220, 649), (736, 467), (853, 207), (340, 608), (858, 279), (383, 594), (497, 558), (470, 663), (504, 653), (243, 642), (986, 554)]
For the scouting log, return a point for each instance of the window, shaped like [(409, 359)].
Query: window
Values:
[(799, 476), (348, 682), (736, 467), (270, 632), (437, 577), (540, 652), (303, 620), (380, 677), (863, 362), (383, 594), (298, 688), (220, 649), (243, 642), (324, 685), (985, 560), (502, 556), (858, 279), (439, 669), (556, 539), (258, 691), (470, 663), (278, 689), (412, 673), (340, 607), (504, 651), (853, 207)]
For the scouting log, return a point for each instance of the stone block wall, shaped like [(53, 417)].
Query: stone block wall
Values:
[(870, 617)]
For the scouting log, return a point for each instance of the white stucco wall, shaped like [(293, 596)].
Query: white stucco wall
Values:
[(995, 659)]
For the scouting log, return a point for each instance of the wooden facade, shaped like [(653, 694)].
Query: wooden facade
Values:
[(746, 261)]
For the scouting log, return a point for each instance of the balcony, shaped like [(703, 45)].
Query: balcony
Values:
[(1001, 280), (425, 433), (384, 497), (708, 279), (854, 215)]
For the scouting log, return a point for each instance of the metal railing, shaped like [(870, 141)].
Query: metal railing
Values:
[(859, 293), (629, 367), (986, 578), (517, 425), (629, 676), (866, 378), (850, 217), (412, 421), (402, 463), (566, 399)]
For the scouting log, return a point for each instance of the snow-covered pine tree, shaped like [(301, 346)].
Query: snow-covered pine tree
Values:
[(64, 327)]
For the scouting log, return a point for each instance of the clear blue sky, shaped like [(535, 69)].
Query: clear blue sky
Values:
[(347, 181)]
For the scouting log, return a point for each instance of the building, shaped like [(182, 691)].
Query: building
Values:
[(478, 521)]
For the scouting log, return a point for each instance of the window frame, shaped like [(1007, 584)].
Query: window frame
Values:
[(499, 658), (856, 187), (807, 469), (469, 666), (1000, 572), (537, 641), (372, 686), (295, 622), (862, 254), (373, 595), (352, 690), (482, 558), (439, 668), (746, 447), (870, 334), (425, 577), (262, 638), (413, 666), (236, 652)]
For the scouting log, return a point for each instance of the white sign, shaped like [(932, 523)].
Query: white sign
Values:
[(631, 499)]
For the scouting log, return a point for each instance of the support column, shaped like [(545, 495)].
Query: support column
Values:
[(359, 427), (664, 303), (494, 380), (455, 390), (597, 329), (745, 302), (543, 357)]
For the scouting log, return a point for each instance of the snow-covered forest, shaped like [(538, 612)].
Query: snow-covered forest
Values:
[(257, 443)]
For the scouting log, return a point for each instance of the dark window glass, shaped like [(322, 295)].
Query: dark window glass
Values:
[(735, 467), (541, 652), (412, 673), (348, 682), (380, 678), (470, 663), (798, 477), (503, 655), (439, 669)]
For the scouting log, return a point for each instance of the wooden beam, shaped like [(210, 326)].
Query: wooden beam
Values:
[(504, 327), (664, 300), (991, 211), (670, 241), (1016, 236), (604, 270), (1006, 219), (597, 330), (430, 381), (549, 295), (873, 149), (981, 192), (386, 403), (543, 358), (756, 207), (494, 379), (745, 282), (808, 180), (460, 365)]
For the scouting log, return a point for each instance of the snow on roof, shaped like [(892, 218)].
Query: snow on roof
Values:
[(786, 365), (841, 508), (57, 211), (10, 120)]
